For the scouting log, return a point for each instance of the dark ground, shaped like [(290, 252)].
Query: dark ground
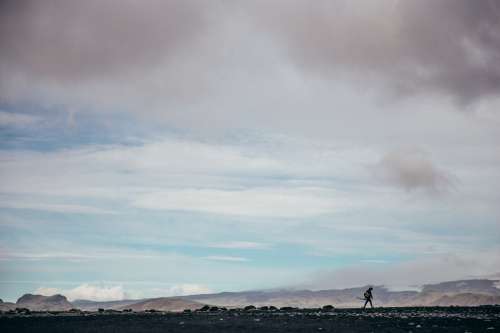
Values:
[(453, 319)]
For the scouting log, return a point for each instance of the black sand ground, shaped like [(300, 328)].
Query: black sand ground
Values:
[(415, 320)]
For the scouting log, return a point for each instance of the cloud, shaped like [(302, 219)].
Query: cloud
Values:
[(176, 175), (46, 291), (184, 61), (243, 245), (375, 261), (204, 72), (226, 258), (449, 48), (74, 41), (10, 119), (184, 289), (93, 292), (39, 255), (411, 170), (57, 208), (257, 202), (88, 292)]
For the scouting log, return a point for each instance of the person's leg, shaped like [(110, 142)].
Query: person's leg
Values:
[(366, 302), (371, 304)]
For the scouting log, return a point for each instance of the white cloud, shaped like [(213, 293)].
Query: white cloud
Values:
[(8, 119), (258, 202), (88, 292), (59, 208), (226, 258), (171, 174), (115, 293), (97, 170), (46, 291), (245, 245), (375, 261), (40, 255), (184, 289)]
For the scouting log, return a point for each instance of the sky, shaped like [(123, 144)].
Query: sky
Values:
[(163, 148)]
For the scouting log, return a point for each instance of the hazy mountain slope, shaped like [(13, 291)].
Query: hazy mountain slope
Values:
[(87, 305), (6, 306), (478, 286), (466, 299), (44, 303), (306, 298), (463, 292), (172, 304)]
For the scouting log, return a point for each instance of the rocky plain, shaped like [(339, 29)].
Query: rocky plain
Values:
[(423, 319)]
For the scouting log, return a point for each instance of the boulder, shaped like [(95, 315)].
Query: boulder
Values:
[(327, 308)]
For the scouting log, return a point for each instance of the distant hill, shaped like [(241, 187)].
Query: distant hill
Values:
[(465, 299), (307, 298), (478, 286), (6, 306), (172, 304), (87, 305), (44, 303)]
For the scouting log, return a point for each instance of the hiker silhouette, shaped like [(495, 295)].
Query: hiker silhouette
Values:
[(368, 297)]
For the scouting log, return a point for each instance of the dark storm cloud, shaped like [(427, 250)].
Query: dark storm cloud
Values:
[(74, 40), (448, 47), (412, 170)]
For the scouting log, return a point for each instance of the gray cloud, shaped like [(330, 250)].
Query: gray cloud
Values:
[(412, 170), (450, 47), (447, 47), (78, 40)]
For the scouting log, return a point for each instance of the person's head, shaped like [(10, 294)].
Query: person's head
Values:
[(370, 288)]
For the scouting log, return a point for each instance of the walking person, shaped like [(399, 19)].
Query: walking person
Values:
[(368, 297)]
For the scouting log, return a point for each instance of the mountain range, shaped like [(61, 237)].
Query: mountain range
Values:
[(463, 293), (460, 293)]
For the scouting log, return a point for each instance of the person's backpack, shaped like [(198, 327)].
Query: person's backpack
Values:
[(366, 294)]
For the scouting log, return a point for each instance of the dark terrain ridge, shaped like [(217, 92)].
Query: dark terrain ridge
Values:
[(423, 319), (458, 293)]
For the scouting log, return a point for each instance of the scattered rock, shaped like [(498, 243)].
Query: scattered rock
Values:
[(204, 308), (328, 308), (288, 308)]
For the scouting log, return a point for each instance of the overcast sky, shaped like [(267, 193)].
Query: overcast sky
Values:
[(156, 148)]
